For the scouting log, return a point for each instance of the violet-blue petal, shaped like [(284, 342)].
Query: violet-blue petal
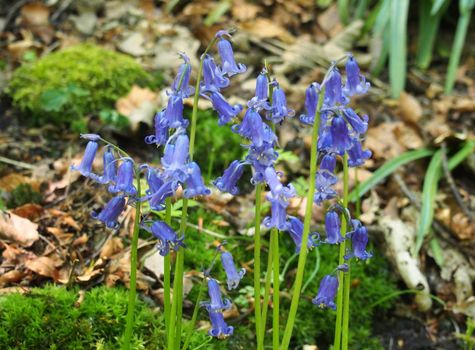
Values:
[(356, 155), (226, 112), (110, 166), (194, 182), (228, 63), (295, 229), (327, 292), (168, 239), (157, 199), (161, 130), (85, 167), (174, 112), (334, 90), (311, 101), (228, 182), (111, 211), (279, 109), (355, 83), (233, 276), (154, 180), (180, 84), (216, 302), (358, 124), (219, 328), (125, 179), (278, 218), (332, 228), (213, 79)]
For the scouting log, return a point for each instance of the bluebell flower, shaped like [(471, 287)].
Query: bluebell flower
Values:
[(194, 182), (157, 199), (90, 137), (233, 276), (360, 126), (334, 91), (356, 155), (174, 112), (168, 239), (111, 212), (228, 64), (278, 213), (261, 158), (254, 129), (154, 180), (219, 328), (175, 157), (332, 228), (337, 139), (311, 101), (359, 241), (182, 79), (355, 82), (327, 292), (110, 166), (259, 101), (85, 167), (226, 112), (228, 182), (216, 302), (279, 108), (325, 180), (125, 179), (213, 79), (161, 130), (295, 229)]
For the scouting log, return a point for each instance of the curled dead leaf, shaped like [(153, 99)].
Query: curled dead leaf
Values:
[(12, 276), (409, 108), (111, 247), (43, 266), (18, 229)]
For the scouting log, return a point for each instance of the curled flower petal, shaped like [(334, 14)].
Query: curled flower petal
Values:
[(111, 212), (161, 130), (356, 155), (228, 182), (233, 276), (327, 292), (194, 183), (213, 78), (226, 112)]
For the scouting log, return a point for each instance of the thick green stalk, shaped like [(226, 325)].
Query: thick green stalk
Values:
[(133, 272), (166, 269), (306, 227), (192, 324), (257, 267), (460, 34), (347, 275), (265, 304), (341, 275), (275, 290)]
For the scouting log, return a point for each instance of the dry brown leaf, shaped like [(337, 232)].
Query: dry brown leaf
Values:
[(29, 211), (35, 14), (265, 28), (43, 266), (18, 229), (62, 237), (10, 181), (12, 276), (111, 247), (382, 141), (81, 240), (244, 11), (409, 108), (138, 106)]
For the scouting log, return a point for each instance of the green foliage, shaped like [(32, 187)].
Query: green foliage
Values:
[(23, 194), (72, 83), (216, 146)]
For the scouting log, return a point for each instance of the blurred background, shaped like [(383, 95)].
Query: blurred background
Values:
[(101, 66)]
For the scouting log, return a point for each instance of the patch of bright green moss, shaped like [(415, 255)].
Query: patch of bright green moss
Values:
[(23, 194), (72, 83)]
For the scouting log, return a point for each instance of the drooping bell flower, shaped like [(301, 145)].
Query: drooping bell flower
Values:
[(325, 179), (359, 241), (85, 167), (334, 91), (259, 101), (213, 79), (311, 101), (272, 180), (154, 181), (279, 109), (219, 328), (168, 239), (278, 213), (110, 166), (233, 276), (161, 130), (356, 155), (327, 292), (194, 182), (111, 212), (175, 157), (228, 182), (254, 129), (260, 158), (125, 179), (358, 124), (216, 302), (228, 64), (180, 84), (226, 112), (355, 82), (156, 199), (295, 229), (332, 228), (340, 136), (174, 112)]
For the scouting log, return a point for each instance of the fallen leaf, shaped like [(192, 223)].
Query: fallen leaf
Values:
[(18, 229), (111, 247), (244, 11), (266, 28), (29, 211), (43, 266), (81, 240), (9, 182), (35, 17), (409, 108), (154, 263), (138, 106), (133, 45), (12, 276)]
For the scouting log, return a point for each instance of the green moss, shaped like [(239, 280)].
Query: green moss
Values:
[(23, 194), (72, 83)]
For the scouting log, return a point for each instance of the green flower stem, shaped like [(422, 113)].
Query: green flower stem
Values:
[(166, 269), (347, 275), (275, 289), (257, 267), (265, 305), (133, 271), (306, 227), (196, 310)]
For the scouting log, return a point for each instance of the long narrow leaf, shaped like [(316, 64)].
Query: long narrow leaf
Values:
[(343, 10), (398, 49), (460, 156), (456, 53), (429, 191), (387, 169)]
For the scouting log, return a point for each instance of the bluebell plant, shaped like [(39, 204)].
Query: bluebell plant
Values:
[(337, 135)]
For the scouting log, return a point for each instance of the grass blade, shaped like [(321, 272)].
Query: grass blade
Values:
[(428, 27), (456, 53), (219, 10), (460, 156), (387, 169), (398, 49), (343, 7)]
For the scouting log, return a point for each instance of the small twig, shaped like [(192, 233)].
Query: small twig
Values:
[(452, 185), (16, 163)]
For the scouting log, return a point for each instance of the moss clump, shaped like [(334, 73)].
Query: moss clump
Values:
[(23, 194), (71, 83)]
